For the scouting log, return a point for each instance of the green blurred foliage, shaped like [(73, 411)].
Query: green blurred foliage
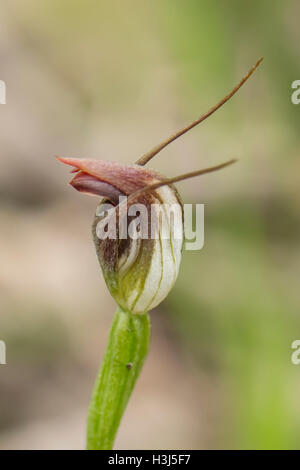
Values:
[(235, 305)]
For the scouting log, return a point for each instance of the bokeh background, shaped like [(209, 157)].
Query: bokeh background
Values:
[(110, 80)]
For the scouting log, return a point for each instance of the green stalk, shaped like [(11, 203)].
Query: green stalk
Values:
[(124, 356)]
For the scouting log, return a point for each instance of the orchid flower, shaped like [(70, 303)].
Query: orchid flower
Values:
[(139, 270)]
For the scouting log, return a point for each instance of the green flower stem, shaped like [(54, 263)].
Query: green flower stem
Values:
[(124, 356)]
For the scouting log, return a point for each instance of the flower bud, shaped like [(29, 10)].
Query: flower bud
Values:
[(140, 271), (139, 266)]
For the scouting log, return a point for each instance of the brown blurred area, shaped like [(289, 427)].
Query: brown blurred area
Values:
[(110, 80)]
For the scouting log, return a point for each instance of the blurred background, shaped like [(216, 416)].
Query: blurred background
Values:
[(110, 80)]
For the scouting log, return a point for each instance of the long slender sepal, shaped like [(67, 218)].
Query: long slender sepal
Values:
[(149, 155), (124, 356), (176, 179)]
